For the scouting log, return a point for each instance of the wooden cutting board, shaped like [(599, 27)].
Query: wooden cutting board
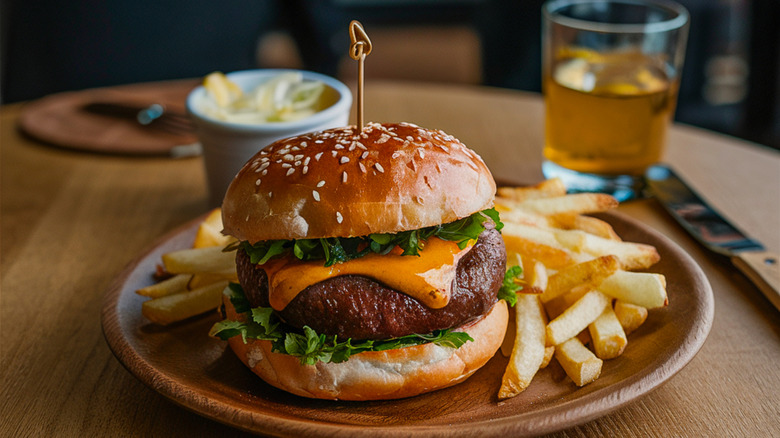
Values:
[(59, 119)]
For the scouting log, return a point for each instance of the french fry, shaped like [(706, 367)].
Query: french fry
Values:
[(210, 231), (554, 258), (549, 351), (512, 214), (578, 203), (200, 280), (639, 288), (587, 224), (632, 255), (580, 364), (543, 235), (534, 276), (577, 317), (546, 189), (172, 308), (199, 260), (590, 273), (559, 304), (630, 315), (607, 335), (509, 336), (528, 352), (169, 286)]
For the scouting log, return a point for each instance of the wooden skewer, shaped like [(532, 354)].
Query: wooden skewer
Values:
[(359, 48)]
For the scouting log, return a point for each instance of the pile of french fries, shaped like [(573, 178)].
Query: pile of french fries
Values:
[(579, 298), (196, 277)]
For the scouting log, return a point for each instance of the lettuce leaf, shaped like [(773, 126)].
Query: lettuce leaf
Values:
[(311, 347), (342, 249)]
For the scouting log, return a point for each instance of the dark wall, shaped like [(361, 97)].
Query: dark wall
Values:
[(50, 46), (55, 45)]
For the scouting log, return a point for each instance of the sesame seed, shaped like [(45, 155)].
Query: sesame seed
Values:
[(321, 183), (305, 169), (364, 155), (306, 161), (362, 167), (286, 165), (257, 183), (288, 157), (338, 146), (383, 138), (344, 176), (339, 217), (318, 141), (316, 195), (422, 153), (297, 163), (303, 144), (361, 145), (344, 160), (290, 172), (264, 165), (264, 172), (409, 137), (379, 167), (334, 153), (317, 157), (299, 156)]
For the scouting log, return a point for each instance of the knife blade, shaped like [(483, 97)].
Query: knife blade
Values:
[(714, 232)]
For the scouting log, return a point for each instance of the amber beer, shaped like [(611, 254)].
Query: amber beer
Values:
[(607, 113)]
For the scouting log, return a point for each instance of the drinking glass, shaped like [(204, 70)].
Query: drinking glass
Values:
[(611, 71)]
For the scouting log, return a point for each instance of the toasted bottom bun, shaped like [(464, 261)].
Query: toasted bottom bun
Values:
[(377, 375)]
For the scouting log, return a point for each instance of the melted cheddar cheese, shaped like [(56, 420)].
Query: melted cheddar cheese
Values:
[(427, 278)]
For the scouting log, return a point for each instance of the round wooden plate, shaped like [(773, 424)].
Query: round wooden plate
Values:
[(182, 363), (59, 119)]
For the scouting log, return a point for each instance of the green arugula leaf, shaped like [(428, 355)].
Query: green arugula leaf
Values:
[(238, 299), (339, 250), (509, 288), (310, 347)]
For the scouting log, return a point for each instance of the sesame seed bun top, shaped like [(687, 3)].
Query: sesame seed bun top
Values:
[(343, 182)]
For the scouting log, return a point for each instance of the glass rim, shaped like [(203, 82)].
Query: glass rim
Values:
[(550, 8)]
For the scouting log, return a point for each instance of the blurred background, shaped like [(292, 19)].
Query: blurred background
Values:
[(730, 84)]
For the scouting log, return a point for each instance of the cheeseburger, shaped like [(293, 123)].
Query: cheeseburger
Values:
[(370, 263)]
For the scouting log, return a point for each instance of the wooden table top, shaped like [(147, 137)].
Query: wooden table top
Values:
[(71, 221)]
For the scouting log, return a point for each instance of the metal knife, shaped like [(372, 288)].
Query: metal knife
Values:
[(714, 232)]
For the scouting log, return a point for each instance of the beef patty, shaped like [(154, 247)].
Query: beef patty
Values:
[(359, 307)]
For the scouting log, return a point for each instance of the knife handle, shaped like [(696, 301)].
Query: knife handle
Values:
[(763, 269)]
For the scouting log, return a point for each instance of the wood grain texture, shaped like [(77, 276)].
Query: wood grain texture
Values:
[(71, 221), (763, 268)]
